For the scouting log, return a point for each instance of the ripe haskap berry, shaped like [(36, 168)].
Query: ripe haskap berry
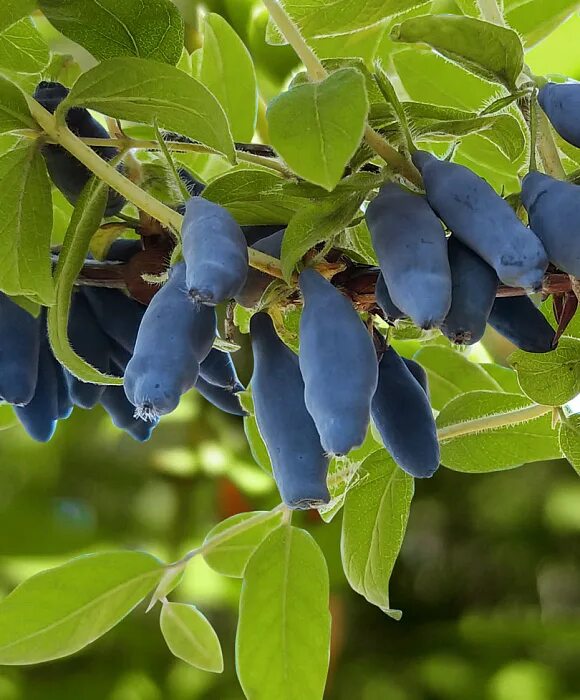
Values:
[(298, 459), (19, 348), (474, 289), (122, 413), (118, 315), (522, 323), (67, 173), (175, 335), (215, 252), (561, 103), (483, 221), (419, 373), (554, 210), (402, 414), (218, 369), (391, 311), (40, 415), (259, 232), (257, 282), (221, 398), (338, 364), (64, 400), (92, 344), (410, 243)]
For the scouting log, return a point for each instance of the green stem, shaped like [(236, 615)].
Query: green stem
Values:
[(316, 72), (490, 12), (501, 420)]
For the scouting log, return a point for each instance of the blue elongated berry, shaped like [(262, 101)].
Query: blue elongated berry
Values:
[(257, 282), (483, 221), (338, 363), (92, 344), (194, 186), (174, 337), (474, 289), (410, 244), (221, 398), (561, 103), (298, 459), (123, 249), (40, 415), (67, 173), (402, 414), (218, 369), (64, 399), (215, 252), (19, 348), (122, 414), (258, 232), (522, 323), (118, 315), (554, 210), (419, 373), (383, 298)]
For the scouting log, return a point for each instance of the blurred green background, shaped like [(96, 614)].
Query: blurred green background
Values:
[(488, 579)]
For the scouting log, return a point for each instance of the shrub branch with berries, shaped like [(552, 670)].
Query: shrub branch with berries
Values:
[(364, 249)]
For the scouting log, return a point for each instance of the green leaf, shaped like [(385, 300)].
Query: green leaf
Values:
[(536, 19), (14, 112), (60, 611), (376, 510), (322, 219), (144, 91), (570, 440), (7, 417), (317, 127), (108, 28), (13, 10), (495, 448), (238, 540), (283, 637), (318, 18), (23, 49), (26, 225), (506, 377), (253, 197), (190, 637), (255, 441), (468, 7), (228, 71), (85, 221), (488, 50), (451, 374), (551, 378), (356, 240)]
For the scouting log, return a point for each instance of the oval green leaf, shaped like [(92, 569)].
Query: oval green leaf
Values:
[(570, 440), (238, 538), (14, 112), (317, 127), (283, 637), (147, 91), (525, 436), (13, 10), (23, 49), (488, 50), (60, 611), (109, 28), (190, 637), (376, 510)]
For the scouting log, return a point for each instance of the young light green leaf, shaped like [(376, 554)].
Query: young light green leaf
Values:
[(552, 378), (468, 7), (190, 637), (253, 197), (14, 112), (319, 18), (62, 610), (145, 91), (537, 19), (13, 10), (26, 225), (506, 431), (228, 71), (376, 510), (451, 374), (317, 127), (108, 28), (236, 539), (7, 417), (23, 49), (570, 440), (283, 637), (356, 240), (85, 221), (322, 219), (506, 377), (488, 50)]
